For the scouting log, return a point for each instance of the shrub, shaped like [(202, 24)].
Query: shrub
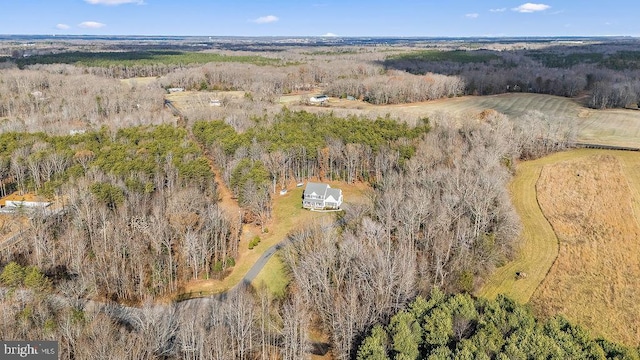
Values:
[(254, 242), (36, 280), (12, 275), (218, 266)]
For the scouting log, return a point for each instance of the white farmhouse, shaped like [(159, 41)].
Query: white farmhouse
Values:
[(321, 196)]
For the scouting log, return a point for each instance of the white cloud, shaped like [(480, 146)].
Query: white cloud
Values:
[(114, 2), (62, 26), (91, 25), (329, 34), (472, 16), (266, 19), (498, 10), (531, 7)]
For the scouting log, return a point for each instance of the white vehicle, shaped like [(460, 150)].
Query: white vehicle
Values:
[(319, 99)]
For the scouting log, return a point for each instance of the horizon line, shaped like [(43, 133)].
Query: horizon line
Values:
[(334, 36)]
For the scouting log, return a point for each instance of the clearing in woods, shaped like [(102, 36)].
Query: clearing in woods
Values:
[(580, 241), (287, 215)]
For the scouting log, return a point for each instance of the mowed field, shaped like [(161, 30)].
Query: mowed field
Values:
[(581, 241)]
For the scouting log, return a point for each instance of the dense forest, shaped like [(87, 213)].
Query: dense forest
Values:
[(460, 327), (61, 99), (147, 184)]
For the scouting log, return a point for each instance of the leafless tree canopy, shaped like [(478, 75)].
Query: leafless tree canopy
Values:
[(59, 102)]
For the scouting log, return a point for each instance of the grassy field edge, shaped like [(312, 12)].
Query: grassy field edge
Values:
[(538, 241)]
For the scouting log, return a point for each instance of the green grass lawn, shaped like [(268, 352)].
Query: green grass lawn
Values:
[(288, 215), (273, 277)]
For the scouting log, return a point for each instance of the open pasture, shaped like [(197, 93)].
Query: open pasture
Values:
[(591, 202), (579, 242), (611, 127)]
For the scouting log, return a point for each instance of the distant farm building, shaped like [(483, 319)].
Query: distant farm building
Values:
[(319, 99), (318, 196)]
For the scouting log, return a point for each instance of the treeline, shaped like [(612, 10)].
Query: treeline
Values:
[(608, 73), (61, 101), (397, 87), (312, 144), (164, 61), (264, 83), (339, 78), (461, 327), (139, 210), (444, 219)]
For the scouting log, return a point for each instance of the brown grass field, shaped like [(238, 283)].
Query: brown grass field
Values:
[(589, 201), (588, 273)]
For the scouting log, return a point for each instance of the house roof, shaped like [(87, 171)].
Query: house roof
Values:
[(335, 193), (317, 188)]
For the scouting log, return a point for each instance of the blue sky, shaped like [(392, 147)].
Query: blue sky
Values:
[(320, 17)]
